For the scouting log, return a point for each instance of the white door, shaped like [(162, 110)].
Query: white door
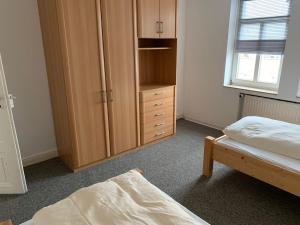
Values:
[(12, 179)]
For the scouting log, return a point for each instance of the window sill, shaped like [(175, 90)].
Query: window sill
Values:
[(251, 89)]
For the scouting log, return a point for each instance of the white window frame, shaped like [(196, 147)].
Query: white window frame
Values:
[(255, 84)]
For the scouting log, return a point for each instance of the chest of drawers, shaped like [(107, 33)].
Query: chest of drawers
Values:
[(157, 113)]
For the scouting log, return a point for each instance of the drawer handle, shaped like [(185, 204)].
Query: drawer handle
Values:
[(159, 124), (159, 114), (158, 93), (160, 134), (158, 104)]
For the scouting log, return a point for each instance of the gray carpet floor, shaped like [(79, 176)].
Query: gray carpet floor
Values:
[(174, 165)]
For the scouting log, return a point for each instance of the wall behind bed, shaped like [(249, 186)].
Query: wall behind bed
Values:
[(206, 101)]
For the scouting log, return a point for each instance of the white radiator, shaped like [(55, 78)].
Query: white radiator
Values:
[(271, 108)]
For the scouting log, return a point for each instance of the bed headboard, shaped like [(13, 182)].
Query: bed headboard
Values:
[(253, 105)]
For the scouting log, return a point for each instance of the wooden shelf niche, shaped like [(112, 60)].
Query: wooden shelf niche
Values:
[(157, 62)]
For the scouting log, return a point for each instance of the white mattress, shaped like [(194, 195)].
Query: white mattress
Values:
[(30, 222), (271, 135), (280, 160)]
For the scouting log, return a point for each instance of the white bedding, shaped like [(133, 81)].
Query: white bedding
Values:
[(278, 159), (30, 222), (198, 219), (122, 200), (267, 134)]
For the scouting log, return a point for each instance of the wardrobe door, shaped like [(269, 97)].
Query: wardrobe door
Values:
[(148, 18), (79, 28), (168, 22), (118, 19)]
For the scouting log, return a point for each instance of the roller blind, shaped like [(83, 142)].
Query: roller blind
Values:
[(263, 26)]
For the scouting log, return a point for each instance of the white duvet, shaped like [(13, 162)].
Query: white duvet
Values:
[(124, 200), (267, 134)]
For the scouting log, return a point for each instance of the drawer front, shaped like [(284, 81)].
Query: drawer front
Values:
[(157, 104), (157, 125), (157, 115), (156, 135), (156, 94)]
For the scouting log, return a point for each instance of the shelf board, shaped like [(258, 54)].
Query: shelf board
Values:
[(154, 48)]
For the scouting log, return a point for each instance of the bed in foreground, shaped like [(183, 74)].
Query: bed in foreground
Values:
[(276, 162), (126, 199)]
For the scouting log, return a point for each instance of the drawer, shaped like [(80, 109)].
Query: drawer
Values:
[(155, 94), (157, 115), (157, 125), (156, 135), (157, 104)]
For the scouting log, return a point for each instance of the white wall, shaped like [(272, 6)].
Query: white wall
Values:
[(24, 65), (180, 55), (291, 67), (205, 99)]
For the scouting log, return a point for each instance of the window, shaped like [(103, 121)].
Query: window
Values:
[(261, 35)]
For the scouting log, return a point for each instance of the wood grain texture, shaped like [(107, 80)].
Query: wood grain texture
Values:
[(70, 34), (84, 77), (158, 115), (137, 72), (148, 18), (156, 134), (7, 222), (57, 85), (262, 169), (208, 162), (157, 112), (159, 66), (103, 77), (175, 110), (168, 11), (119, 49), (157, 94), (157, 125), (157, 104)]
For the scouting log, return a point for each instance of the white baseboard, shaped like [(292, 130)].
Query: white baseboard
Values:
[(202, 123), (39, 157), (179, 116)]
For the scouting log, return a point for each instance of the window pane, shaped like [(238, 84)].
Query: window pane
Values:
[(249, 31), (264, 8), (269, 68), (274, 31), (245, 66)]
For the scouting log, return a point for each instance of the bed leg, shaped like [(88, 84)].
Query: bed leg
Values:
[(8, 222), (208, 161)]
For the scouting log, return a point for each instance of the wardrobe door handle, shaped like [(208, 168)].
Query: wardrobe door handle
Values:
[(103, 96), (161, 27), (157, 27), (158, 104), (110, 93)]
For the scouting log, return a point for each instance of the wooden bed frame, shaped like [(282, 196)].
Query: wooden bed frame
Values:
[(7, 222), (264, 170)]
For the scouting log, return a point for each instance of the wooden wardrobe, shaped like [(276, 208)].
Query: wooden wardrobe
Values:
[(92, 51)]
